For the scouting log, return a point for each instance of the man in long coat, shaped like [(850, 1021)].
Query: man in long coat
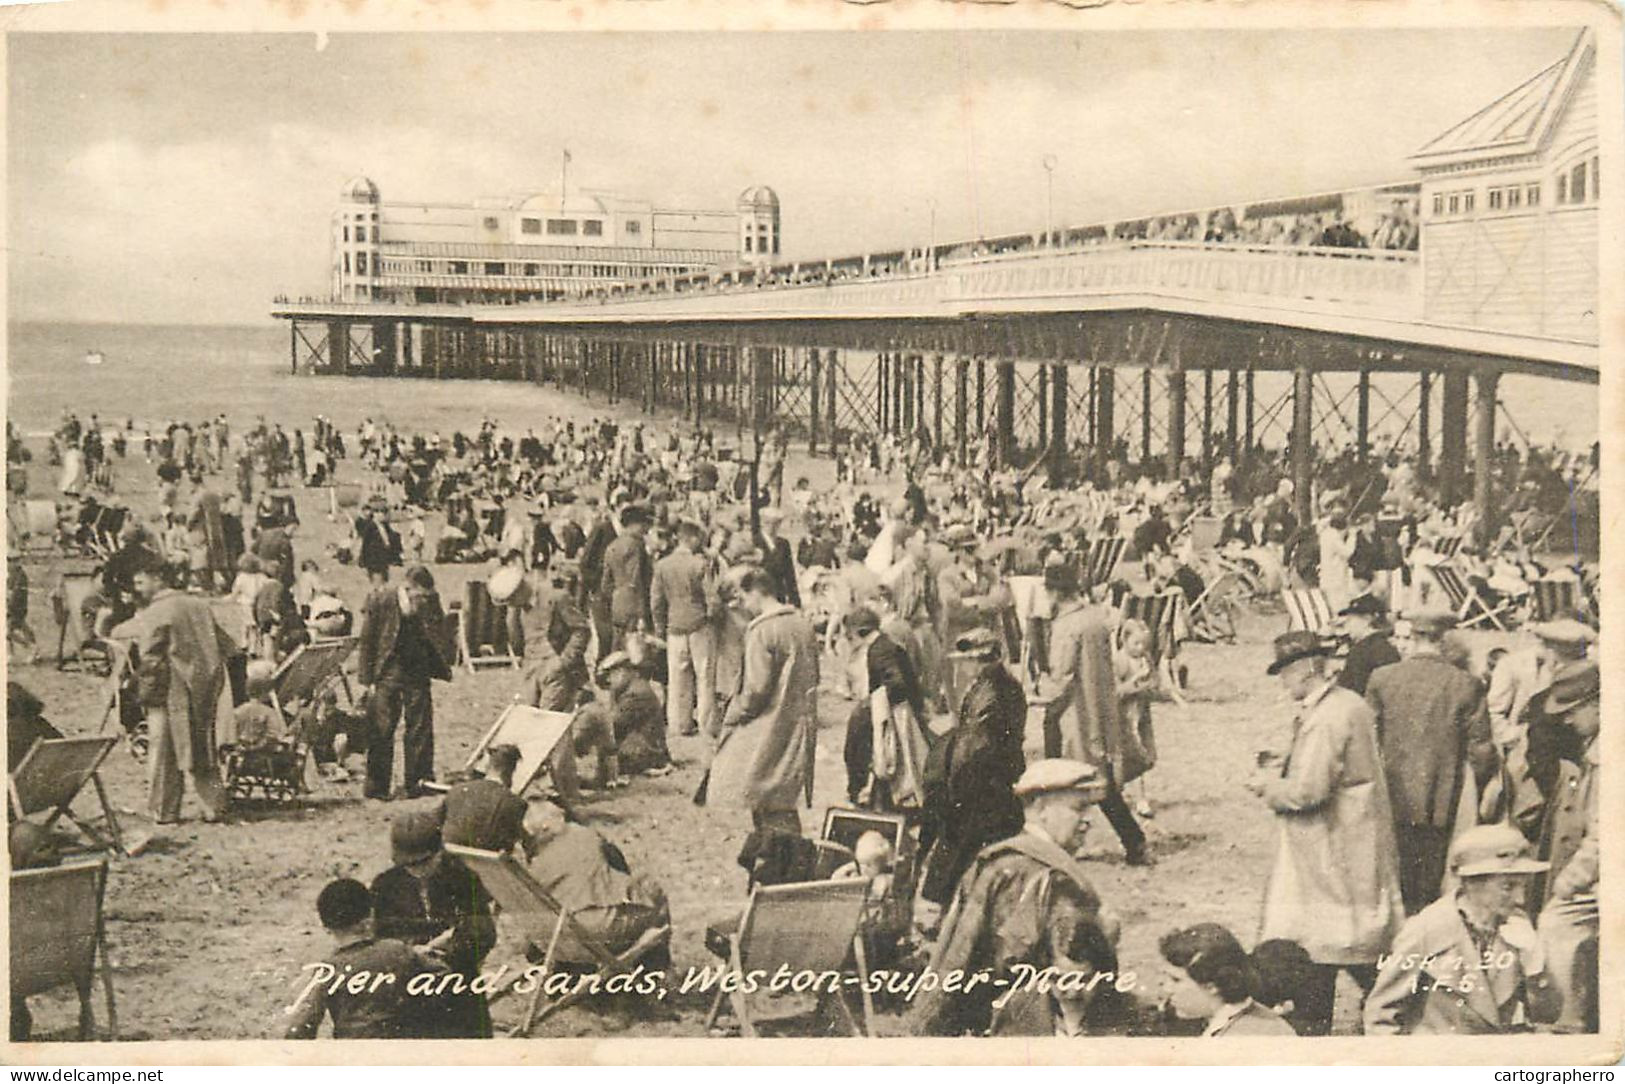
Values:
[(1084, 719), (399, 650), (1334, 888), (626, 578), (764, 760), (1431, 723), (182, 653), (970, 800)]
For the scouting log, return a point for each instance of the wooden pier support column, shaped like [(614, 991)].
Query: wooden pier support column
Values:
[(338, 346), (1424, 425), (981, 397), (1232, 415), (936, 386), (814, 371), (1145, 415), (1453, 437), (1176, 418), (1005, 413), (1247, 449), (409, 351), (1105, 407), (1302, 451), (383, 346), (1207, 425), (1091, 418), (1043, 409), (1362, 417), (962, 411), (880, 391), (1484, 457), (919, 392), (832, 366), (293, 347), (1057, 426)]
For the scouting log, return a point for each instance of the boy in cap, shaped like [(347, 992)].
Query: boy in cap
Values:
[(430, 899), (1026, 901), (382, 1009), (1334, 888), (1469, 963)]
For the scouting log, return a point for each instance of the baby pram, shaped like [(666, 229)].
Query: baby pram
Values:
[(276, 766)]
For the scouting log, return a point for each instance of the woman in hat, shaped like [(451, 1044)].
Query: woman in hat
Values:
[(1470, 963)]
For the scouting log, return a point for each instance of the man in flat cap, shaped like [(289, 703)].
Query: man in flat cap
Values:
[(971, 775), (1365, 622), (1027, 903), (1432, 726), (401, 649), (428, 898), (1334, 887), (1470, 963)]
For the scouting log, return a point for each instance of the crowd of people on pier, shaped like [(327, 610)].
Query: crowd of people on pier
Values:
[(689, 599)]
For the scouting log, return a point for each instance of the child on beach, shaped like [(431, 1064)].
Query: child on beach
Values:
[(1135, 684)]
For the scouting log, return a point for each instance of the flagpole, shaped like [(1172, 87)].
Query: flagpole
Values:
[(564, 178)]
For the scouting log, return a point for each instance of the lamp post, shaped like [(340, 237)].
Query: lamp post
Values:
[(931, 251), (1049, 202)]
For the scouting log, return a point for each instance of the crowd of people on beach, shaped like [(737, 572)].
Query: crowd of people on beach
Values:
[(669, 589)]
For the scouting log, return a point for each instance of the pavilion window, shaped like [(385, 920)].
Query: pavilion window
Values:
[(1532, 195), (494, 269), (592, 227), (1562, 189), (530, 225), (561, 227), (1577, 184)]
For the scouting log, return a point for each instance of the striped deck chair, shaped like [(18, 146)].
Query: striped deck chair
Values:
[(1104, 555), (1471, 609), (1554, 595), (1164, 615), (1307, 609), (482, 630), (1447, 548)]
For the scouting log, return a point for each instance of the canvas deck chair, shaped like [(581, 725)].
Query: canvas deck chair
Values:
[(39, 526), (277, 769), (1307, 609), (535, 732), (57, 933), (50, 777), (548, 924), (1470, 608), (809, 927), (1447, 548), (1164, 615), (1554, 595), (844, 826), (482, 630), (1104, 556)]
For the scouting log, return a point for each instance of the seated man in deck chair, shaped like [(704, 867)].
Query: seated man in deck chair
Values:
[(590, 877)]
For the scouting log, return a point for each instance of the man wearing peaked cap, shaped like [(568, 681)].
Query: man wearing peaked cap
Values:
[(1027, 900), (1334, 886), (1432, 719), (1434, 982)]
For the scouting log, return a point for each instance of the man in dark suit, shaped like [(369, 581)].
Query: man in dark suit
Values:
[(401, 649), (380, 546), (592, 574), (1365, 620), (625, 585), (1431, 724), (777, 559)]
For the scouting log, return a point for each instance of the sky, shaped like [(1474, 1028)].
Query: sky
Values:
[(189, 178)]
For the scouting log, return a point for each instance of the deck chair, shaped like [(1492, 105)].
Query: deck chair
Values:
[(57, 932), (1471, 608), (277, 769), (545, 922), (1307, 610), (1204, 532), (1554, 595), (50, 777), (1104, 556), (808, 927), (1164, 615), (39, 525), (843, 826), (534, 731), (482, 630), (1447, 548)]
